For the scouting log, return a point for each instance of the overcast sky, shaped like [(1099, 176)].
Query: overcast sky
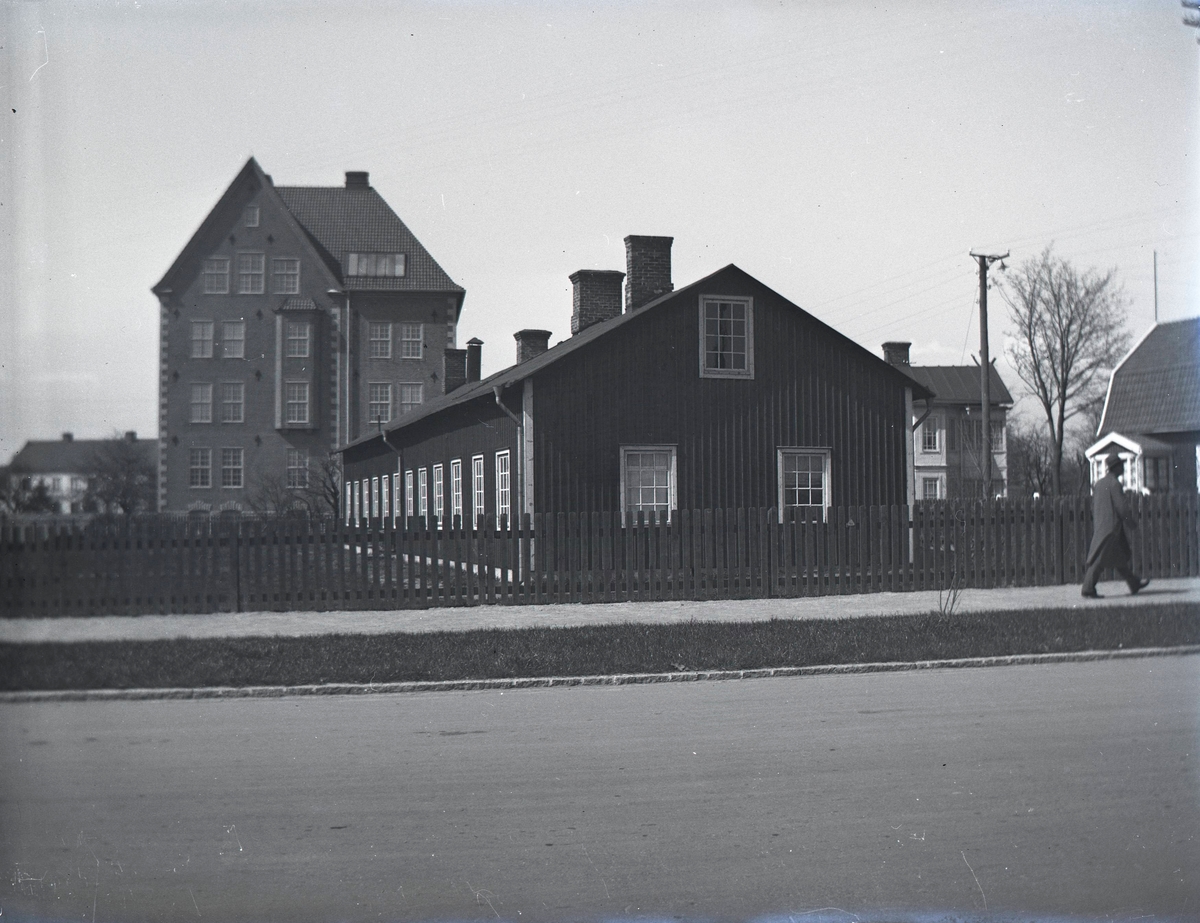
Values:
[(848, 154)]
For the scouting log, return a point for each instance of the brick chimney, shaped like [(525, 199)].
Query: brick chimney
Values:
[(896, 354), (474, 359), (596, 297), (358, 179), (454, 369), (648, 264), (68, 437), (131, 435), (531, 343)]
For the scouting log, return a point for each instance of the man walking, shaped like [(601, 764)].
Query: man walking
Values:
[(1110, 546)]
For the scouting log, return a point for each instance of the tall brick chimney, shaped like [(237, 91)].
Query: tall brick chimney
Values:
[(474, 359), (358, 179), (896, 354), (531, 343), (648, 265), (596, 297), (454, 369)]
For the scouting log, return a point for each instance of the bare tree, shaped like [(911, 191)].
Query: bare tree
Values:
[(20, 493), (1069, 331), (1028, 460), (122, 478), (316, 494)]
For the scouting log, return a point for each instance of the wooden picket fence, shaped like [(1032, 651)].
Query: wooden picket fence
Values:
[(168, 563)]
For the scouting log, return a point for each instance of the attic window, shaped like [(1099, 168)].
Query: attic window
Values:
[(251, 216), (726, 337), (375, 264)]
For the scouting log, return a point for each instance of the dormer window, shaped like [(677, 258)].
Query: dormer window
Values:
[(375, 264), (726, 337)]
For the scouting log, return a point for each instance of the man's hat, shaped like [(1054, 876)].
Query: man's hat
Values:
[(1114, 461)]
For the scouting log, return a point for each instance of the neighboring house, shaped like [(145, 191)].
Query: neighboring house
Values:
[(722, 394), (295, 320), (948, 431), (1152, 412), (63, 466)]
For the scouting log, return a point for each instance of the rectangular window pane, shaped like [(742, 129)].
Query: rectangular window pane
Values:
[(233, 398), (803, 479), (349, 502), (297, 469), (251, 273), (726, 337), (503, 493), (231, 467), (423, 493), (439, 509), (233, 339), (929, 489), (200, 468), (216, 276), (647, 476), (374, 498), (477, 488), (299, 333), (297, 402), (409, 506), (287, 276), (379, 400), (380, 344), (385, 507), (411, 397), (357, 497), (251, 216), (202, 339), (929, 441), (456, 488), (411, 339), (202, 396), (375, 264)]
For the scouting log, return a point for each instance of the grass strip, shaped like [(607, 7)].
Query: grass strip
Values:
[(585, 651)]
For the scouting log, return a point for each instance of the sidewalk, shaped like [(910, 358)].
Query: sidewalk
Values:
[(251, 624)]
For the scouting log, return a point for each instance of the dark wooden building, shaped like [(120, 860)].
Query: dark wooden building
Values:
[(721, 394)]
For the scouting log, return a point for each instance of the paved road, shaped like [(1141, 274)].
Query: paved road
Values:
[(1070, 788)]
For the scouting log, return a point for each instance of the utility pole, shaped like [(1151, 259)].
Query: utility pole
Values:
[(985, 260)]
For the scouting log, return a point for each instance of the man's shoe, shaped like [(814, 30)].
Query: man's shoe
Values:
[(1142, 583), (1090, 594)]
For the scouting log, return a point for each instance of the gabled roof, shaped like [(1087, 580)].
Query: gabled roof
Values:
[(959, 384), (564, 348), (356, 219), (60, 456), (1156, 388)]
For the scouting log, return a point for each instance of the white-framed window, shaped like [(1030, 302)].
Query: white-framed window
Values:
[(409, 499), (439, 503), (296, 402), (411, 396), (231, 467), (456, 488), (412, 338), (202, 339), (202, 401), (375, 264), (385, 506), (997, 435), (349, 501), (648, 479), (395, 496), (299, 339), (251, 273), (503, 488), (216, 276), (357, 495), (379, 340), (477, 488), (297, 469), (233, 339), (804, 479), (930, 489), (251, 216), (285, 273), (726, 337), (423, 493), (233, 402), (379, 402), (364, 487), (929, 434), (374, 498), (200, 468)]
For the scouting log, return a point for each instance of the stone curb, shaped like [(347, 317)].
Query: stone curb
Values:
[(621, 679)]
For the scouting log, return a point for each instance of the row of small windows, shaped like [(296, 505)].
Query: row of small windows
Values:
[(233, 402), (411, 340), (380, 399), (251, 275), (232, 468), (375, 264), (297, 339), (385, 497)]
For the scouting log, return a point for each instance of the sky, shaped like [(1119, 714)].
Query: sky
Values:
[(850, 155)]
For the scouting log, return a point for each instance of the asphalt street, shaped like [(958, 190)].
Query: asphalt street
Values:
[(1028, 790)]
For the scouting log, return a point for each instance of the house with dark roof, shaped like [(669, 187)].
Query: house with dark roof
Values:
[(1152, 412), (948, 445), (64, 466), (295, 320), (720, 394)]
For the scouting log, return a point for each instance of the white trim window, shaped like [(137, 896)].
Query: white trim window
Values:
[(216, 276), (503, 488), (395, 496), (285, 272), (364, 487), (202, 339), (929, 435), (375, 264), (233, 339), (804, 479), (375, 498), (297, 469), (252, 272), (410, 502), (439, 501), (412, 339), (233, 402), (200, 468), (232, 467), (349, 501), (456, 488), (357, 503), (299, 338), (423, 493), (385, 505), (726, 337), (411, 397), (379, 402), (477, 489), (931, 489), (202, 401), (296, 400), (648, 480), (379, 340)]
